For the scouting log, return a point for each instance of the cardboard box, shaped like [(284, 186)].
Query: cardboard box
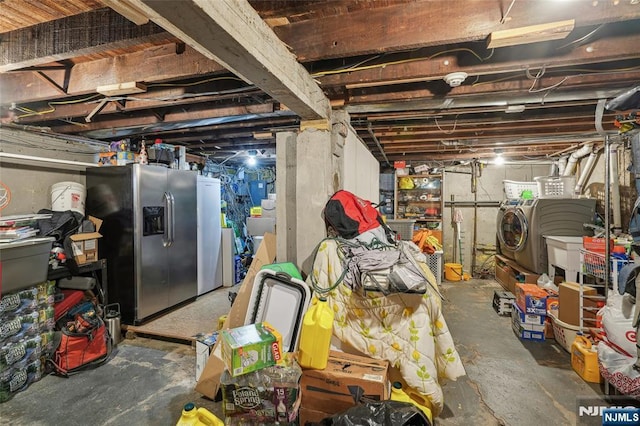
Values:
[(531, 299), (204, 346), (107, 158), (526, 331), (311, 416), (569, 304), (346, 381), (530, 319), (508, 273), (124, 157), (85, 244), (250, 347), (209, 382)]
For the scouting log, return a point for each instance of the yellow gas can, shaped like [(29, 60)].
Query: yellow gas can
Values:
[(315, 335), (192, 416), (584, 360), (398, 394)]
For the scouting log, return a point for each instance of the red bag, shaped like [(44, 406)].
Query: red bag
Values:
[(84, 341), (350, 215)]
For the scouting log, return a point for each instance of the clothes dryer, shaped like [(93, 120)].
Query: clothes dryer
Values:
[(549, 216), (510, 229)]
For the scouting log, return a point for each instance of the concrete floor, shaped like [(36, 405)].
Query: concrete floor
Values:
[(508, 382)]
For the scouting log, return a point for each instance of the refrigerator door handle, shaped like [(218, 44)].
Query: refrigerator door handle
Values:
[(172, 218), (166, 238)]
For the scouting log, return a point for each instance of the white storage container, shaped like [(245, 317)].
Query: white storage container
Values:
[(555, 186), (514, 189)]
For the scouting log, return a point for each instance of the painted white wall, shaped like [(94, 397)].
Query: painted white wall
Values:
[(29, 182), (457, 183), (361, 169)]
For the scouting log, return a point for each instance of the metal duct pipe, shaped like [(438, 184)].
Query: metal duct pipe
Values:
[(615, 186), (586, 171), (562, 164), (573, 158)]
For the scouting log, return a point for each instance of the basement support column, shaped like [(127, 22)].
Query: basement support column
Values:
[(286, 196), (309, 171)]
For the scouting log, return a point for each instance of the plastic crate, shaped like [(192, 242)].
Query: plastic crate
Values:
[(387, 181), (404, 228), (555, 186), (434, 261), (513, 189), (594, 263)]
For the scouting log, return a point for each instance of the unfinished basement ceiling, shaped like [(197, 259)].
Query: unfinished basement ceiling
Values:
[(385, 62)]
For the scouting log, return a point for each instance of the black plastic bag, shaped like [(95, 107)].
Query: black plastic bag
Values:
[(384, 413)]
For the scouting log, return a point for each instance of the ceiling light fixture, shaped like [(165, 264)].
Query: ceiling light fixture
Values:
[(499, 159)]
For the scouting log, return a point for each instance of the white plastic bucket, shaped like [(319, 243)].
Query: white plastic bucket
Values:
[(68, 196)]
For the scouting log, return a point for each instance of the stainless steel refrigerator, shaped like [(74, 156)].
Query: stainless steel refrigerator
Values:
[(209, 234), (149, 236)]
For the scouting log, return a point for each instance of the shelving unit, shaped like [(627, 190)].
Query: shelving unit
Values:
[(420, 198)]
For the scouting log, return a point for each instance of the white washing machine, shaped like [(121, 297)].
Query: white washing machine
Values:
[(522, 228)]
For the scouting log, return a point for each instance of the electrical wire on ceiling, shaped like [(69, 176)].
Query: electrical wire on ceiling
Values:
[(581, 39), (28, 112), (355, 67), (447, 132)]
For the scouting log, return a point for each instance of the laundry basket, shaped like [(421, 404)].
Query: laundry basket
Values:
[(564, 333), (404, 228), (555, 186), (514, 189)]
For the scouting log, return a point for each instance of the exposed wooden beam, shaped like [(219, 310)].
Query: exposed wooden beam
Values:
[(131, 13), (170, 117), (76, 35), (232, 33), (514, 60), (155, 99), (157, 64), (429, 23)]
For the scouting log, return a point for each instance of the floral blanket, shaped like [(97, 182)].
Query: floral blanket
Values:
[(408, 330)]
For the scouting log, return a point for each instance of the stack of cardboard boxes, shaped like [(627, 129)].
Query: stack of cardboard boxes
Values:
[(529, 315)]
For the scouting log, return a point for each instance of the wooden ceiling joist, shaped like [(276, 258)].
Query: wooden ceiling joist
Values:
[(232, 33), (65, 39)]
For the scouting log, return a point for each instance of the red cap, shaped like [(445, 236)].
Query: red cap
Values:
[(158, 141)]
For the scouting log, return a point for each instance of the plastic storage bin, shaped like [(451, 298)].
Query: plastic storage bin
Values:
[(514, 189), (24, 262), (555, 186)]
